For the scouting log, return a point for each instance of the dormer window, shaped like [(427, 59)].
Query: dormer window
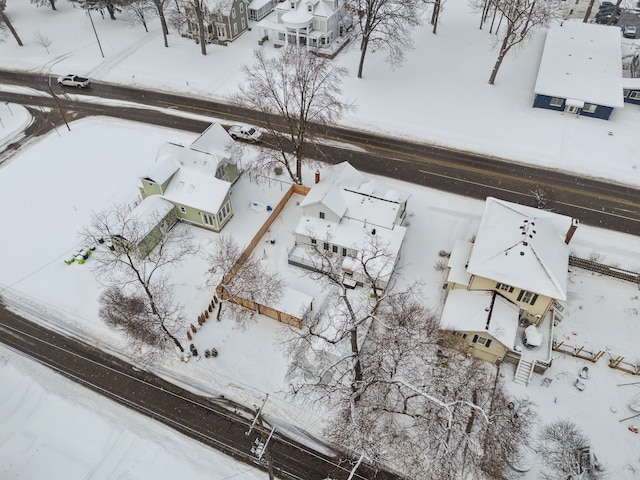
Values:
[(310, 8), (322, 215), (293, 5)]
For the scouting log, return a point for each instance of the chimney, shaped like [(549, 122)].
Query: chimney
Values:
[(572, 230), (317, 176)]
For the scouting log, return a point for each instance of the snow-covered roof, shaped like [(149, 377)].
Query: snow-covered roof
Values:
[(477, 311), (582, 61), (629, 83), (258, 4), (214, 140), (458, 263), (166, 163), (523, 247), (214, 6), (348, 193), (293, 302), (149, 212), (198, 190)]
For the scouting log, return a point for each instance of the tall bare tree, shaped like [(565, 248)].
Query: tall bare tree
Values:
[(290, 92), (384, 25), (241, 277), (518, 19), (5, 19), (566, 453), (136, 12), (160, 8), (197, 9), (125, 268)]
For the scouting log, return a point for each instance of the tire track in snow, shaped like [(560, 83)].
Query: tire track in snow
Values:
[(110, 62)]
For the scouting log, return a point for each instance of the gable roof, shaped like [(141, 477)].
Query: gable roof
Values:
[(481, 311), (523, 247), (583, 62), (329, 190), (215, 141), (166, 163)]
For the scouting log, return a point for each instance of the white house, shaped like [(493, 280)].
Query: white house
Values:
[(351, 218), (318, 25), (581, 70), (519, 260)]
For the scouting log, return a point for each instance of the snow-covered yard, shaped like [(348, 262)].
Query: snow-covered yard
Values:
[(49, 190)]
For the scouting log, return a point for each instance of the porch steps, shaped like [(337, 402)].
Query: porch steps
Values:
[(524, 371)]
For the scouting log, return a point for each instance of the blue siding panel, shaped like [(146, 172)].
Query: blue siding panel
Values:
[(544, 101)]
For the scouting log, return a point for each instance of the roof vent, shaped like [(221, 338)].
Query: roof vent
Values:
[(522, 254)]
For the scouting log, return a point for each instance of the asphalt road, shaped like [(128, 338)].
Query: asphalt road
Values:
[(593, 201), (214, 421)]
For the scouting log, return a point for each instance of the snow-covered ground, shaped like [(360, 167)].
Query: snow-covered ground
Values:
[(441, 95)]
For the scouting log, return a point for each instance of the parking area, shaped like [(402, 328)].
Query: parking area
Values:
[(630, 18)]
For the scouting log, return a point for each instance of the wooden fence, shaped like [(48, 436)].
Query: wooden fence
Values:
[(578, 352)]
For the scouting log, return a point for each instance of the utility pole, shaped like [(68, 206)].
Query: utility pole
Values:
[(58, 103), (94, 31)]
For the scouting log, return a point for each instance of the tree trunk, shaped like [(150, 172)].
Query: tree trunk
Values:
[(53, 4), (614, 13), (112, 10), (503, 51), (357, 367), (5, 19), (363, 52), (588, 12), (163, 21), (200, 15), (485, 12), (436, 14)]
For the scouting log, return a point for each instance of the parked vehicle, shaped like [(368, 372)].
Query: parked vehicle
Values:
[(245, 132), (630, 31), (74, 81)]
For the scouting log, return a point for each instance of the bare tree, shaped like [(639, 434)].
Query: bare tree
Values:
[(587, 14), (290, 92), (438, 7), (40, 3), (138, 274), (137, 11), (43, 40), (241, 277), (160, 9), (5, 19), (518, 20), (197, 8), (566, 453), (384, 25)]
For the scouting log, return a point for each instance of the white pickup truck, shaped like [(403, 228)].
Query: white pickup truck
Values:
[(74, 81), (245, 132)]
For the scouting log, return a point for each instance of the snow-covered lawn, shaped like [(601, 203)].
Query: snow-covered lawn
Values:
[(48, 191)]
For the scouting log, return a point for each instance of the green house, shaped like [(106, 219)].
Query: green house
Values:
[(196, 179)]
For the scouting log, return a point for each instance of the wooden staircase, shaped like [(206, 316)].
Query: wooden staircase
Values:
[(524, 371)]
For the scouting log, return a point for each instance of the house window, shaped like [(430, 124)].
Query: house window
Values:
[(281, 36), (222, 33), (504, 287), (571, 109), (634, 94), (321, 214), (479, 339), (233, 13), (527, 297), (243, 22), (310, 8), (556, 102), (326, 246), (625, 92), (589, 108), (235, 28), (220, 171), (313, 241), (208, 219), (241, 7), (183, 209), (344, 252), (334, 249), (224, 212), (293, 5)]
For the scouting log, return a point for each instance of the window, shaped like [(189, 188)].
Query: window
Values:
[(224, 212), (527, 297), (556, 102), (326, 246), (220, 171), (293, 5), (334, 249), (281, 36), (222, 33), (344, 252), (321, 214), (504, 287), (480, 340), (310, 8), (571, 109), (241, 7), (634, 94), (235, 28), (243, 22), (208, 219), (183, 209), (313, 241), (233, 13), (589, 108)]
